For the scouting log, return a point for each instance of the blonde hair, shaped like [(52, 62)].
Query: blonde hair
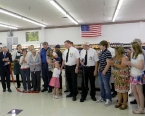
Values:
[(137, 49)]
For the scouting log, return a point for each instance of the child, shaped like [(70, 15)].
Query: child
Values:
[(54, 82)]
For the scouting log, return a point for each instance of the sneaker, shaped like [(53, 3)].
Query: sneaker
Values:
[(57, 97), (100, 100), (108, 103)]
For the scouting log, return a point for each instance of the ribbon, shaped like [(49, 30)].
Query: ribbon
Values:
[(18, 90)]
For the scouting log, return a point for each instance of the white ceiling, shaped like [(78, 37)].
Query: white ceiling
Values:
[(83, 11)]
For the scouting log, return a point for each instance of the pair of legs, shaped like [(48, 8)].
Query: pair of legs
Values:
[(138, 94), (26, 79), (5, 78), (18, 81), (46, 76), (104, 83), (88, 75), (122, 100), (72, 80), (56, 91), (36, 80)]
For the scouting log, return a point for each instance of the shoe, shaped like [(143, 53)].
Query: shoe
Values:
[(70, 95), (118, 105), (123, 107), (4, 90), (130, 95), (93, 98), (24, 91), (108, 103), (113, 95), (49, 91), (82, 99), (57, 97), (100, 100), (9, 90), (74, 98), (44, 90), (133, 102), (66, 91)]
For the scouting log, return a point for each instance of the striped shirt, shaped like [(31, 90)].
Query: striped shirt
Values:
[(104, 55)]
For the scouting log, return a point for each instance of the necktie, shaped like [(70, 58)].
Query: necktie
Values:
[(86, 58), (67, 56), (4, 57)]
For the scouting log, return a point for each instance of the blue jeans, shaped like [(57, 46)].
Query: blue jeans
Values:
[(104, 83), (26, 77)]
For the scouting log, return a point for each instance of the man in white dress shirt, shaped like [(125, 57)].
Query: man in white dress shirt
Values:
[(89, 59), (71, 61)]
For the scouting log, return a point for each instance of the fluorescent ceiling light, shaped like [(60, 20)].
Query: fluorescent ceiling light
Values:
[(34, 22), (58, 7), (21, 17), (9, 13), (54, 3), (117, 10), (8, 26)]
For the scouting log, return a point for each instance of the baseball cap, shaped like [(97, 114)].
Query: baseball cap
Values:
[(57, 46)]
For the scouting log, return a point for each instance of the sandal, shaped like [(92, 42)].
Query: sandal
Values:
[(123, 107), (118, 105), (139, 111)]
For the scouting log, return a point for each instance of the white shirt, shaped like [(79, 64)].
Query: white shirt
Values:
[(24, 65), (56, 72), (72, 57), (112, 51), (134, 71), (15, 53), (92, 56), (29, 54)]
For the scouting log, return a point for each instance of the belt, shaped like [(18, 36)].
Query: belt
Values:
[(89, 66), (44, 63), (71, 65)]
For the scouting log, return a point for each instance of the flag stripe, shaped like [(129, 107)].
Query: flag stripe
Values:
[(91, 30)]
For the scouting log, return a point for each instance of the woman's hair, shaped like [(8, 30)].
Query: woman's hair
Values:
[(49, 53), (24, 50), (119, 50), (136, 49), (18, 46)]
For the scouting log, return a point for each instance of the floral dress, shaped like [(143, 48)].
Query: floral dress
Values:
[(121, 78)]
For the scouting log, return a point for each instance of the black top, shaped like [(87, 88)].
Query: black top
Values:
[(2, 67)]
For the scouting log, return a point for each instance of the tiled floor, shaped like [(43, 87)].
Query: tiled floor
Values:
[(43, 104)]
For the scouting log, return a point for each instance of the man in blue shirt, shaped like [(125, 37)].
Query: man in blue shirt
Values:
[(45, 74)]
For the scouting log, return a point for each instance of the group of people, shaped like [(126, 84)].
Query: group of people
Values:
[(109, 64)]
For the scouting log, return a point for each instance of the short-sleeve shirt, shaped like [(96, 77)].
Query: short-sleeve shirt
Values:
[(134, 71), (72, 56), (92, 56), (104, 55)]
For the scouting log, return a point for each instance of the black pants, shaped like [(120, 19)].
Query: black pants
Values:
[(71, 79), (60, 81), (88, 75), (18, 81), (113, 88), (5, 76), (46, 76), (36, 80)]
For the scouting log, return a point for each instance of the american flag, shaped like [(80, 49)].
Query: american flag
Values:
[(91, 30)]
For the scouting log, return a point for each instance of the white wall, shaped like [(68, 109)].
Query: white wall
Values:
[(124, 33), (115, 33)]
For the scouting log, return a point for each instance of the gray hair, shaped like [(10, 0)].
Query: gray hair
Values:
[(137, 40)]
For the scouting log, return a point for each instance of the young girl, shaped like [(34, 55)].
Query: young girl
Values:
[(54, 82)]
